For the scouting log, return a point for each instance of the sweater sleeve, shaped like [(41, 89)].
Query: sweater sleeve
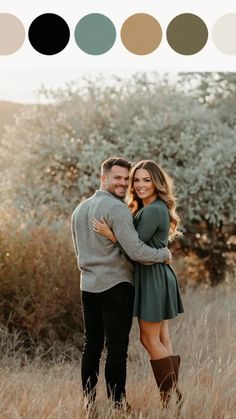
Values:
[(148, 223), (74, 234), (121, 222)]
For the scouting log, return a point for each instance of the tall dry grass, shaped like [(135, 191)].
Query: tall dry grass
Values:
[(39, 279), (205, 336)]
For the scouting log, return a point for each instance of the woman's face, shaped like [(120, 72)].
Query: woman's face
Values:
[(143, 186)]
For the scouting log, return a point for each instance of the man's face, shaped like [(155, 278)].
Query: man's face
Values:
[(116, 181)]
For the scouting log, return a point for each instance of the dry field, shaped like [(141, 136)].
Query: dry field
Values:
[(205, 337)]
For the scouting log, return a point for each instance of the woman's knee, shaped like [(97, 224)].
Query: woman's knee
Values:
[(165, 340), (149, 341)]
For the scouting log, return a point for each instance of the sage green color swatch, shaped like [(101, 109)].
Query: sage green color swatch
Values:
[(187, 34), (95, 34)]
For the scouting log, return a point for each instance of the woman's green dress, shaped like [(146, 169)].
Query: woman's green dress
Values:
[(157, 295)]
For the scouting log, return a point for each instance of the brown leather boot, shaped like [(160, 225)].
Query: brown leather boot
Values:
[(165, 377), (176, 363)]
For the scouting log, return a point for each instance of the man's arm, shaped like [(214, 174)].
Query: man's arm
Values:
[(121, 222), (73, 231)]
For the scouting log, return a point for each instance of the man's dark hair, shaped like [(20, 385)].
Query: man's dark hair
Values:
[(114, 161)]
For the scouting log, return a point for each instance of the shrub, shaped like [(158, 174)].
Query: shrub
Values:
[(39, 280)]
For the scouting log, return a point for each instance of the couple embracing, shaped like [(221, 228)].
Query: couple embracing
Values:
[(120, 240)]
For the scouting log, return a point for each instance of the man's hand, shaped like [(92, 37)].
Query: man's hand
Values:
[(167, 255)]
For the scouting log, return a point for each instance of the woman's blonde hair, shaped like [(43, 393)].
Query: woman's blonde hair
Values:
[(164, 187)]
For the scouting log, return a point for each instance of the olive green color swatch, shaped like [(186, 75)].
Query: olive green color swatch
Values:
[(187, 34), (95, 34), (141, 34)]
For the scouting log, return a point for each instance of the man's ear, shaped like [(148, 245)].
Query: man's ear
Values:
[(103, 179)]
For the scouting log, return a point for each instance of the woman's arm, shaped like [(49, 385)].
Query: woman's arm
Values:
[(103, 228)]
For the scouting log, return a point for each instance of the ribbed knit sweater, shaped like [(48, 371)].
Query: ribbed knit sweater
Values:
[(101, 262)]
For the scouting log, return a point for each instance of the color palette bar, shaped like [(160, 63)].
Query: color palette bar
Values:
[(95, 34)]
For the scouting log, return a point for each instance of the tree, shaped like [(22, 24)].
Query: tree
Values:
[(53, 153)]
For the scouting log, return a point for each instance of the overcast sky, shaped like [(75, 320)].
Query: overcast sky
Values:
[(23, 72)]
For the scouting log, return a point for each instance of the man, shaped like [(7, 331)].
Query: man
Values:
[(107, 278)]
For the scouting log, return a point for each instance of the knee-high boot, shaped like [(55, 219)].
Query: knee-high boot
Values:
[(165, 377), (176, 363)]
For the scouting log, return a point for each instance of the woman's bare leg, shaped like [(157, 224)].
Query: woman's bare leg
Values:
[(161, 363), (165, 336), (150, 339)]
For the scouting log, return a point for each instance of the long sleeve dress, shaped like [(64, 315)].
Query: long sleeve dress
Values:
[(157, 295)]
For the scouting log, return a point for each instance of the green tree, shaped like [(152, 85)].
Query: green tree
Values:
[(51, 156), (216, 90)]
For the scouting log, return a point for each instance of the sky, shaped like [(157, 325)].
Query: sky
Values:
[(23, 72)]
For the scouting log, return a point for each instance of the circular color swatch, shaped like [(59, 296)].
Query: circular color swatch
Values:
[(49, 34), (95, 34), (12, 34), (224, 34), (141, 34), (187, 34)]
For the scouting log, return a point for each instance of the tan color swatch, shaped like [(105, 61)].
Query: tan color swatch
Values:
[(141, 34), (12, 34)]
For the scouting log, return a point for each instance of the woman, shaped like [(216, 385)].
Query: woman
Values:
[(157, 297)]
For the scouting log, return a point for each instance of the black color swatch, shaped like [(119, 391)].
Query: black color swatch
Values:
[(49, 34)]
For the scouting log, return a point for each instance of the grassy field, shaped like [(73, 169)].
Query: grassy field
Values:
[(204, 336)]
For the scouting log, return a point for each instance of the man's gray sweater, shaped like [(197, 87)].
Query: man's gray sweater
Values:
[(102, 263)]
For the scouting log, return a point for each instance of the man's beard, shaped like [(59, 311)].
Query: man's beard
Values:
[(112, 191)]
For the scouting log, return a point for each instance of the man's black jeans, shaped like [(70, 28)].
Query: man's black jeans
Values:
[(107, 318)]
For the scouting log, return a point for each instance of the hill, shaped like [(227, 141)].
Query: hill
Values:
[(8, 110)]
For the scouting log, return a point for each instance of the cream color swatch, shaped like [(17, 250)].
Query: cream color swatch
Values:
[(224, 34), (12, 34)]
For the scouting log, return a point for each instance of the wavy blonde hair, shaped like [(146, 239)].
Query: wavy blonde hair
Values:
[(164, 187)]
